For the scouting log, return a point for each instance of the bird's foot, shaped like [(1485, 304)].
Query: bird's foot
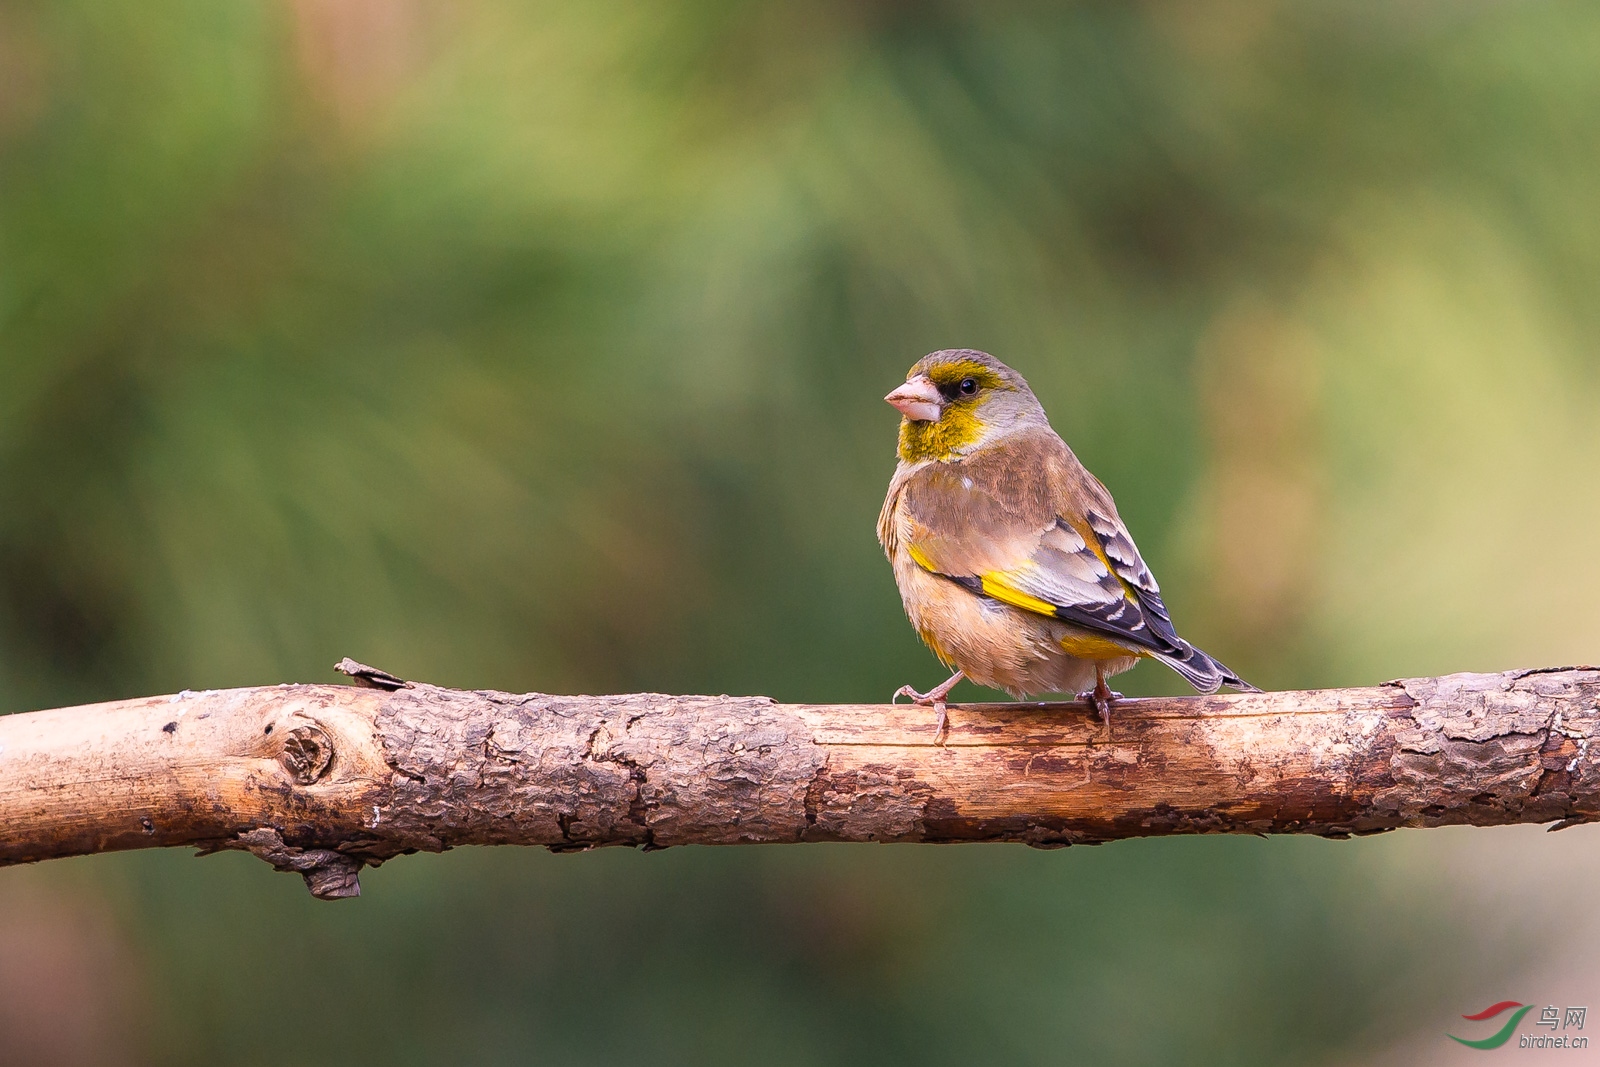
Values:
[(1099, 699), (934, 698)]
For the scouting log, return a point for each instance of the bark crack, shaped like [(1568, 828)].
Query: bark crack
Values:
[(603, 751)]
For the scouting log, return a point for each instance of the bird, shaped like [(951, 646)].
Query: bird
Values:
[(1012, 562)]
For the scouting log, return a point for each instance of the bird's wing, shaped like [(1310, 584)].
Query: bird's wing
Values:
[(1028, 526)]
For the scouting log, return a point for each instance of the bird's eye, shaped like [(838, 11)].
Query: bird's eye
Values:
[(968, 386)]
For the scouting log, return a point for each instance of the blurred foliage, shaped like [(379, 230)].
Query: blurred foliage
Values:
[(541, 346)]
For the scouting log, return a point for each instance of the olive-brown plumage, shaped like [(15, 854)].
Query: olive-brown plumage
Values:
[(1012, 562)]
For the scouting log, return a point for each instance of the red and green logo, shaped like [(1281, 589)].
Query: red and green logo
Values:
[(1501, 1036)]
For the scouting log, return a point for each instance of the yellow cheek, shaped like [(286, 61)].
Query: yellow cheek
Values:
[(957, 428)]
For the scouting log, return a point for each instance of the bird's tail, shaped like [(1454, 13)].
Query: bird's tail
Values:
[(1203, 672)]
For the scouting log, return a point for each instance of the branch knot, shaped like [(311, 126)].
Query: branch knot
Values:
[(307, 753)]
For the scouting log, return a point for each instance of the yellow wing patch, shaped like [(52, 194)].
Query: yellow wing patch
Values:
[(995, 587), (1079, 643)]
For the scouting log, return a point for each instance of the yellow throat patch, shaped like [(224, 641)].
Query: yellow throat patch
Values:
[(959, 425)]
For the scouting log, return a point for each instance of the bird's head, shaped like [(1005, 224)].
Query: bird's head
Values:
[(959, 400)]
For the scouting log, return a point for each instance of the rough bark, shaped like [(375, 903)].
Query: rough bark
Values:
[(324, 779)]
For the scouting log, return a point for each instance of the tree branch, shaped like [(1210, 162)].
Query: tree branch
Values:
[(323, 779)]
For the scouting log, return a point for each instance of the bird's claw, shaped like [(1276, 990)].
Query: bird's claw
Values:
[(934, 698), (1099, 699)]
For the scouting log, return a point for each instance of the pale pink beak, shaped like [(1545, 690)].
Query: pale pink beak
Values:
[(918, 400)]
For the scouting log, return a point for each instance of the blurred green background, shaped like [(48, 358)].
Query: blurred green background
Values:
[(541, 347)]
